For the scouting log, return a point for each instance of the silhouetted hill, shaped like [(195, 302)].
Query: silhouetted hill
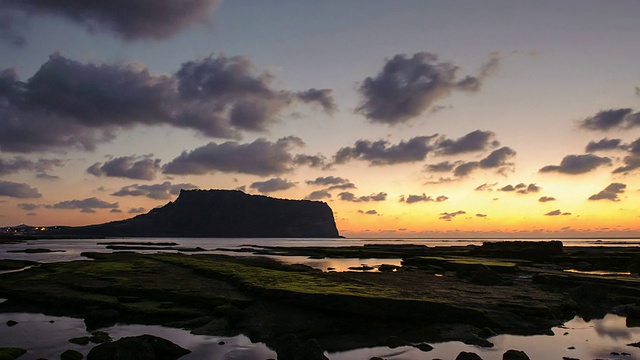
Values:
[(223, 213)]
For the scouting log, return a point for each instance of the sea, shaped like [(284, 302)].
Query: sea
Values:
[(46, 336)]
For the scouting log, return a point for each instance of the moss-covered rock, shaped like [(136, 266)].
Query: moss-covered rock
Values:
[(7, 353)]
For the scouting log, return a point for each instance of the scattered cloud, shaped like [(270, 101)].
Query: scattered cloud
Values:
[(328, 181), (610, 119), (381, 152), (406, 87), (9, 32), (444, 166), (603, 144), (368, 212), (632, 161), (115, 211), (348, 196), (163, 191), (129, 20), (611, 192), (88, 205), (449, 216), (481, 215), (521, 188), (546, 199), (410, 199), (28, 206), (272, 185), (318, 195), (137, 210), (557, 213), (486, 187), (215, 96), (260, 157), (498, 159), (577, 164), (130, 167), (18, 190), (474, 141), (17, 164)]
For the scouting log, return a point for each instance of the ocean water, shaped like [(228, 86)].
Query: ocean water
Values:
[(46, 336)]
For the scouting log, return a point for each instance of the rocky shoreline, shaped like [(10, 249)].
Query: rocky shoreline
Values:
[(439, 294)]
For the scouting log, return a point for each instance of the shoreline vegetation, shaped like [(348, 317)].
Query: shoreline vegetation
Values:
[(457, 293)]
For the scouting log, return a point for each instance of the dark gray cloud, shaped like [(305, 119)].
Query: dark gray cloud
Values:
[(88, 205), (610, 119), (327, 181), (381, 152), (130, 167), (368, 212), (129, 20), (137, 210), (603, 144), (318, 195), (18, 190), (474, 141), (163, 191), (632, 161), (481, 215), (348, 196), (449, 216), (29, 206), (546, 199), (498, 159), (521, 188), (215, 96), (115, 211), (444, 166), (9, 32), (577, 164), (406, 87), (260, 157), (557, 213), (324, 97), (314, 161), (17, 164), (486, 187), (611, 192), (272, 185), (411, 199)]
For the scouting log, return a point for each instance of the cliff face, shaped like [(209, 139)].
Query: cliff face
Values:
[(225, 213)]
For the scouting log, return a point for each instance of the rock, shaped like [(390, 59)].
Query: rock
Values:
[(100, 337), (482, 275), (213, 327), (423, 347), (361, 268), (128, 299), (71, 355), (394, 342), (289, 347), (468, 356), (515, 355), (101, 318), (84, 340), (634, 344), (143, 347), (11, 353), (387, 268), (229, 312), (12, 323)]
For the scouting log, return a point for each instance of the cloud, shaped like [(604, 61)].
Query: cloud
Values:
[(611, 192), (323, 97), (17, 164), (444, 166), (477, 140), (88, 205), (115, 211), (18, 190), (577, 164), (260, 157), (327, 180), (137, 210), (546, 199), (449, 216), (603, 144), (163, 191), (130, 167), (486, 187), (129, 20), (314, 161), (8, 32), (557, 213), (28, 206), (610, 119), (318, 195), (410, 199), (368, 212), (406, 87), (521, 188), (498, 159), (481, 215), (632, 161), (347, 196), (381, 152), (272, 185), (215, 96)]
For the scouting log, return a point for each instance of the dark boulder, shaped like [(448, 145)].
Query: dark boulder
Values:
[(84, 340), (290, 347), (101, 318), (143, 347), (11, 353), (515, 355), (71, 355), (468, 356), (12, 323)]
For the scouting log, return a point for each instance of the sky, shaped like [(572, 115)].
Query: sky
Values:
[(409, 118)]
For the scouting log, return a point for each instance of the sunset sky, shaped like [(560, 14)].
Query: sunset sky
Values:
[(409, 118)]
